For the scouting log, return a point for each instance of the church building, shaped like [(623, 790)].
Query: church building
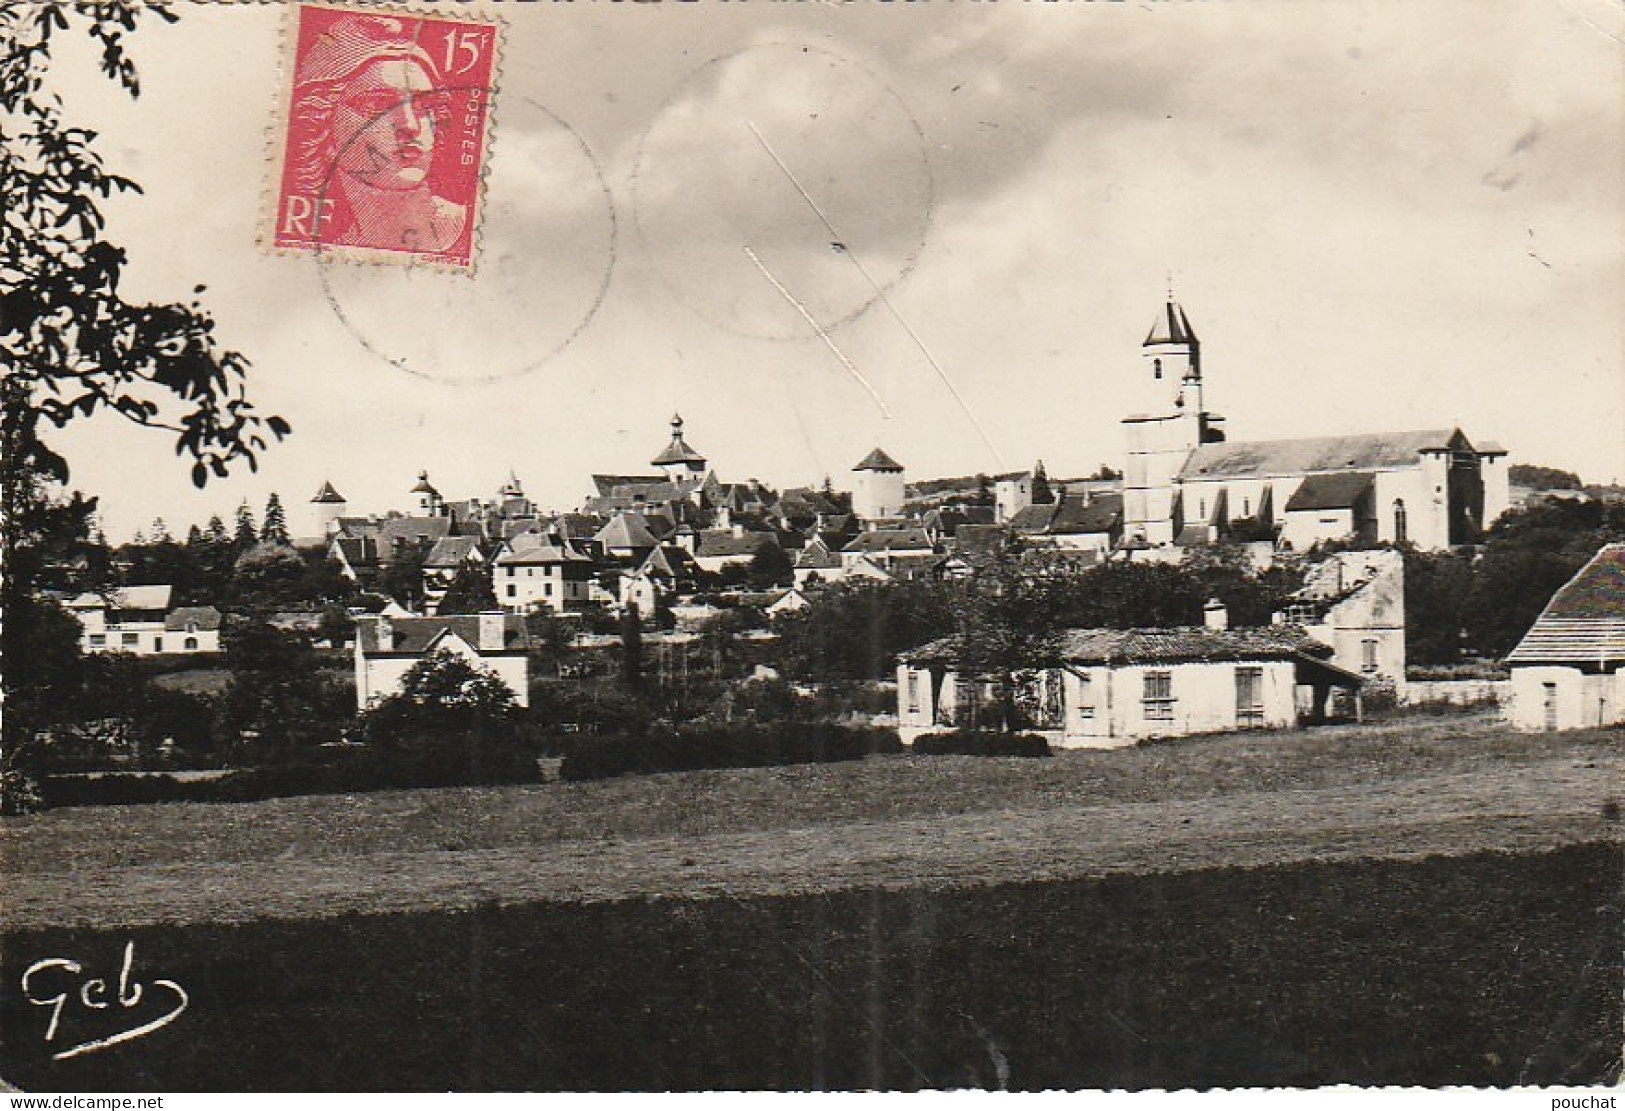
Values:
[(1185, 483)]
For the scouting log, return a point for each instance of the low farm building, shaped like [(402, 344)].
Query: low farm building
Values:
[(386, 648), (1566, 672), (1112, 687)]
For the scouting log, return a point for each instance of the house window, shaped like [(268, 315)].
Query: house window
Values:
[(530, 572), (1159, 696), (1368, 656), (1400, 531), (913, 692), (98, 640), (130, 640), (512, 590), (1156, 368), (1246, 507), (1086, 699), (190, 644), (157, 644), (1249, 696)]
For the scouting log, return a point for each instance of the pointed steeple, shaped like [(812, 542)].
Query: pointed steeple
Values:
[(1172, 326)]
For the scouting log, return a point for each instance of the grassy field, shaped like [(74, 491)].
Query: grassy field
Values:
[(1424, 901), (1411, 787)]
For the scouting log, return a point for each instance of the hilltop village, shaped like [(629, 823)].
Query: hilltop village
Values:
[(670, 543), (643, 539)]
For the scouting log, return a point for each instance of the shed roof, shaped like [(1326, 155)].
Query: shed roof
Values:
[(1341, 490), (146, 597), (890, 540), (202, 618), (1584, 623), (453, 551), (715, 543)]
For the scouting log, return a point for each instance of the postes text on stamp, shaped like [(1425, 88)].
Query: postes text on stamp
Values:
[(383, 147)]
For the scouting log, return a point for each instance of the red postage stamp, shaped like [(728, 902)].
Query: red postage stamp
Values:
[(382, 152)]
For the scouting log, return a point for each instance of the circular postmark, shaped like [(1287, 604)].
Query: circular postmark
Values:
[(539, 237), (782, 190)]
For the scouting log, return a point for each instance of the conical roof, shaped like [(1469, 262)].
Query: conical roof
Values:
[(878, 460), (677, 451), (1172, 326), (423, 486), (328, 495)]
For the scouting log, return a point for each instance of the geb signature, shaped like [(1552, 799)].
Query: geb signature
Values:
[(60, 983)]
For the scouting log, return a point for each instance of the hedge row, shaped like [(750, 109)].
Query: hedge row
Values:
[(359, 770), (696, 748), (980, 742)]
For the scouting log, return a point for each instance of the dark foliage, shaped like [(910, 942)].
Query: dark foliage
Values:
[(469, 591), (277, 701), (1462, 603), (978, 742), (1542, 478), (691, 748), (856, 631)]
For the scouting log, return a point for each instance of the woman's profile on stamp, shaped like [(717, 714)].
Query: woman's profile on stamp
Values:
[(376, 153)]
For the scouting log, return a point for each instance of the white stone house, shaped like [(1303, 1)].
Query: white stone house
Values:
[(138, 620), (1114, 687), (1354, 603), (531, 572), (893, 550), (1568, 672), (386, 648)]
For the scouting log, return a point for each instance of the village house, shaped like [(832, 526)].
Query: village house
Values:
[(899, 552), (138, 620), (533, 572), (718, 548), (1354, 603), (816, 563), (449, 555), (1076, 522), (386, 648), (1567, 671), (1114, 687)]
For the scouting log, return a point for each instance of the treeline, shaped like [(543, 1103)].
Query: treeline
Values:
[(857, 631), (250, 565)]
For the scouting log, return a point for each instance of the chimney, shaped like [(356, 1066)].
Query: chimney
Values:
[(386, 633), (492, 627), (737, 529), (1215, 616)]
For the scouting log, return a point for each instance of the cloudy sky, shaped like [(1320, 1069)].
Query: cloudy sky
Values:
[(1378, 215)]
